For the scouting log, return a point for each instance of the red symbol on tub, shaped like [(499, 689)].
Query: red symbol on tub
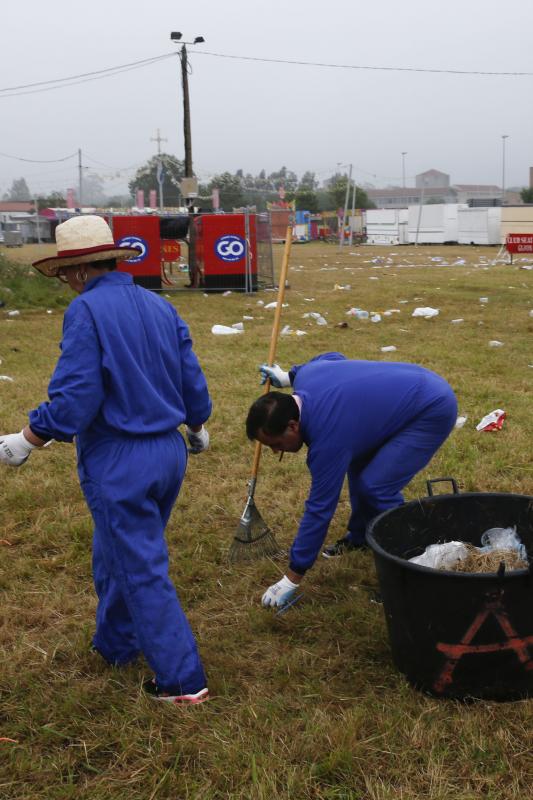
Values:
[(455, 652)]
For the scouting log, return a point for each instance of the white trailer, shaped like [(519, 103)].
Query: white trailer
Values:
[(435, 223), (386, 226), (479, 225), (516, 219)]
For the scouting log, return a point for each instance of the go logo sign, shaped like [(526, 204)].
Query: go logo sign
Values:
[(230, 247), (138, 244)]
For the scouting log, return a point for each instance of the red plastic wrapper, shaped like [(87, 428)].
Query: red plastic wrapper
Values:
[(492, 421)]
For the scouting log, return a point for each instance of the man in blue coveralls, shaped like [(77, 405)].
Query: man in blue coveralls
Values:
[(376, 423), (126, 379)]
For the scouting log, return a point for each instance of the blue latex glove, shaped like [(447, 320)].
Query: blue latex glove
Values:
[(280, 593), (278, 377)]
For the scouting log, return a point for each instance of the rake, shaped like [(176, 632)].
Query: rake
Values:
[(253, 538)]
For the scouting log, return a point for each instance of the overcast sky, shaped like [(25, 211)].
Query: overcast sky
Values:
[(255, 115)]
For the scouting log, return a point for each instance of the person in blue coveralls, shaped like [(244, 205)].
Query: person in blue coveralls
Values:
[(376, 423), (126, 379)]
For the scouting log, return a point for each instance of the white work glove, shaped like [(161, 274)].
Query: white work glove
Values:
[(15, 449), (198, 440), (280, 593), (278, 377)]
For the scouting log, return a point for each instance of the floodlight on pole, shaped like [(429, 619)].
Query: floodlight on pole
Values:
[(504, 137)]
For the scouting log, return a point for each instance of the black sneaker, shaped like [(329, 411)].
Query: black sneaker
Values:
[(342, 546)]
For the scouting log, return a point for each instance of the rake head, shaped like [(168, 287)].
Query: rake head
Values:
[(253, 538)]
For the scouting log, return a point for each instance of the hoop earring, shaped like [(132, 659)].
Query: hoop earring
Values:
[(81, 276)]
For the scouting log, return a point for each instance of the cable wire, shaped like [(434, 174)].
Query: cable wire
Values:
[(363, 67), (39, 161)]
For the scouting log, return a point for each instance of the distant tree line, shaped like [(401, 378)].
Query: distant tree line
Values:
[(235, 189)]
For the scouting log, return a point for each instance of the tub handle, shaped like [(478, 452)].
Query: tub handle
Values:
[(430, 483)]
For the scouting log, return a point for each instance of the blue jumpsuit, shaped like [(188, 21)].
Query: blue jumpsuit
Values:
[(126, 379), (377, 423)]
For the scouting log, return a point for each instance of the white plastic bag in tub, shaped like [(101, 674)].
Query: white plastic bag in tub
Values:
[(441, 556), (503, 539)]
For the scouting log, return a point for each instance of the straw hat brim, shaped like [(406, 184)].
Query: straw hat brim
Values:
[(49, 266)]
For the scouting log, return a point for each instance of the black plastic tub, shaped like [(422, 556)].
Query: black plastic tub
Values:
[(460, 635)]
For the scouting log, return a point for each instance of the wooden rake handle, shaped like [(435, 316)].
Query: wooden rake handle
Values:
[(275, 332)]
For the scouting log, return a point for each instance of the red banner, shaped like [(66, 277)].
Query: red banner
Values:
[(170, 250), (519, 243)]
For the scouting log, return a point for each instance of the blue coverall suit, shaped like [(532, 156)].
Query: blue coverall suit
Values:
[(126, 379), (379, 424)]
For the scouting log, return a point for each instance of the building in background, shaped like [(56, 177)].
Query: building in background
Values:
[(434, 187)]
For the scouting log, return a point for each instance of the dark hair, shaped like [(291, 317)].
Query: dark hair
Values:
[(271, 414), (107, 263)]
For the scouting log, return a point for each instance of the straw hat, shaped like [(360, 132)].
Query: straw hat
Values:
[(81, 240)]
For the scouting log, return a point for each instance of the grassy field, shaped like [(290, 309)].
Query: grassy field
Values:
[(308, 705)]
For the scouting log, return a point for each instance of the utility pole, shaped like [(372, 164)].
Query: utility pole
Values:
[(348, 184), (403, 168), (158, 139), (186, 114), (504, 137), (80, 178), (189, 187), (352, 218)]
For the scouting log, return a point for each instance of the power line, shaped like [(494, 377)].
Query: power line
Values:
[(84, 77), (39, 161), (364, 67), (61, 83), (88, 74)]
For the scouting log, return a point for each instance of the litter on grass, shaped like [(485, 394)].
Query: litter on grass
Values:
[(495, 343), (225, 330), (358, 313), (275, 305), (492, 421), (460, 421), (6, 378), (375, 318), (388, 349), (319, 319), (457, 321), (426, 312)]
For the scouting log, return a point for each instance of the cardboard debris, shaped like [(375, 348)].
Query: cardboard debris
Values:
[(492, 421)]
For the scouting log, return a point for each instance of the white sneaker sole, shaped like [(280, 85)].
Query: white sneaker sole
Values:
[(184, 699)]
